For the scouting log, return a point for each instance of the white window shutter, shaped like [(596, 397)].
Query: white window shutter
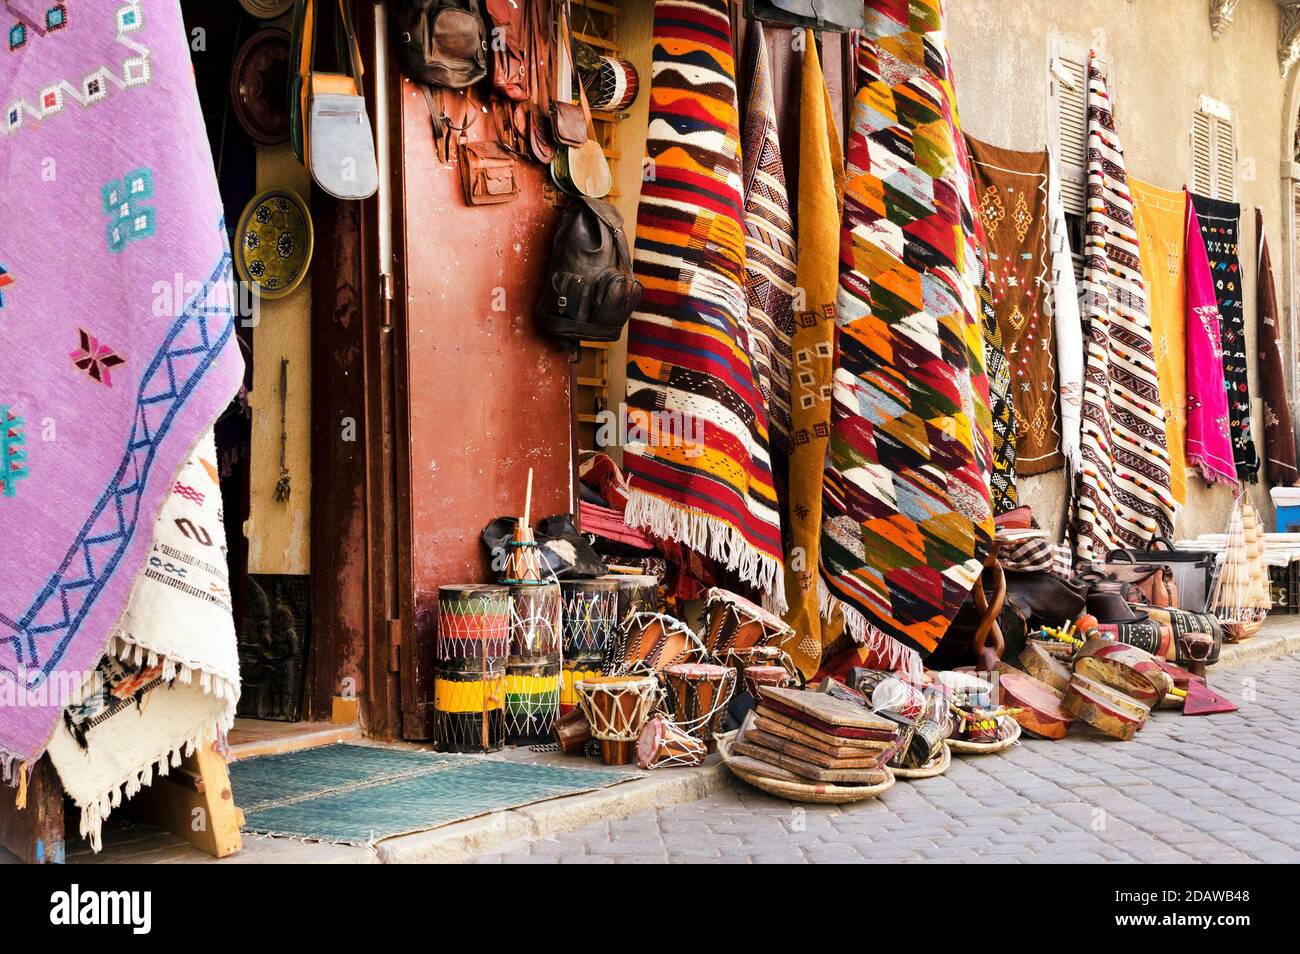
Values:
[(1070, 122), (1225, 161), (1214, 157)]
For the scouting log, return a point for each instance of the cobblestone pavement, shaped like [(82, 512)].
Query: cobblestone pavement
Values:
[(1222, 788)]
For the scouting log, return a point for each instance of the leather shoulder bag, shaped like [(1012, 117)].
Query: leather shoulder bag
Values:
[(339, 146)]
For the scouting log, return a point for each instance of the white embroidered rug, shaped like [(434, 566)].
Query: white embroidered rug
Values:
[(170, 679)]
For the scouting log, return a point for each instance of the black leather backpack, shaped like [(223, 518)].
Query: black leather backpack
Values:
[(441, 42), (590, 292)]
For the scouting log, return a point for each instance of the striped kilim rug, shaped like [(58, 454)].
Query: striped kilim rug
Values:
[(769, 248), (697, 444), (907, 520), (1123, 496)]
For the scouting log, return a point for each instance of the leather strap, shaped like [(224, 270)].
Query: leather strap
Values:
[(567, 37)]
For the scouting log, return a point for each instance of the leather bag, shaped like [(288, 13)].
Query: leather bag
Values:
[(441, 42), (1150, 583), (339, 145), (1193, 570), (590, 291), (579, 169), (487, 173)]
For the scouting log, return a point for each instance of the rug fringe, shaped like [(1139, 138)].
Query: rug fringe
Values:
[(1209, 475), (715, 538), (96, 812), (898, 657), (212, 682), (10, 762)]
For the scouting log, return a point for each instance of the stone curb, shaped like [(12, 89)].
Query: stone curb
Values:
[(1260, 648), (463, 841)]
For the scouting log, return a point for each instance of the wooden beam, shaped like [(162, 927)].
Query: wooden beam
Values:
[(197, 804)]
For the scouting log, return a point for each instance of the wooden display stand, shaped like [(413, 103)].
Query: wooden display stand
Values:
[(193, 802)]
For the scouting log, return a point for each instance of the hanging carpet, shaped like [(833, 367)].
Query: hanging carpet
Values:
[(1122, 495), (1279, 438), (697, 447), (1220, 228), (118, 323), (907, 518)]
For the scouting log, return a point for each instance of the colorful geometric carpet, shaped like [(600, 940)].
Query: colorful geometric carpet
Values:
[(360, 794), (907, 520)]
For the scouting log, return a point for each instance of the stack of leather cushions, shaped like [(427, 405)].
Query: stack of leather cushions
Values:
[(798, 735)]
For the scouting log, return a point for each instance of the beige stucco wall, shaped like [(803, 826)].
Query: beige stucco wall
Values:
[(1162, 59), (279, 532)]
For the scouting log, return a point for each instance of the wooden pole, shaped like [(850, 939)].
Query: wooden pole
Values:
[(528, 497)]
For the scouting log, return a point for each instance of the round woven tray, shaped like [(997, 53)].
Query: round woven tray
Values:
[(986, 748), (936, 766), (798, 792)]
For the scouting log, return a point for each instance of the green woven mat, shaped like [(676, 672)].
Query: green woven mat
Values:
[(359, 794)]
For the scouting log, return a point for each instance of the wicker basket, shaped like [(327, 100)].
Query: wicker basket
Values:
[(986, 748), (936, 766), (798, 792)]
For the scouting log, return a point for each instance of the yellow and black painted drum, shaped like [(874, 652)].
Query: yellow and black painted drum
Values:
[(532, 699), (469, 701), (578, 666)]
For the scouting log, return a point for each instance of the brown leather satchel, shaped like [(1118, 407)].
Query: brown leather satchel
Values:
[(487, 173), (1149, 583), (568, 124), (571, 121)]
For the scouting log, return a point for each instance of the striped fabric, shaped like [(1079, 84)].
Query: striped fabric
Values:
[(1123, 498), (907, 520), (769, 248), (697, 443)]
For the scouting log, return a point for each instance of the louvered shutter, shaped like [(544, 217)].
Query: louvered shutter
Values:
[(1070, 123), (1225, 160), (1214, 157)]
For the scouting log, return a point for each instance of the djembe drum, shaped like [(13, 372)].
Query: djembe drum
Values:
[(617, 708), (733, 622), (698, 694), (470, 672), (664, 743), (651, 641), (753, 678)]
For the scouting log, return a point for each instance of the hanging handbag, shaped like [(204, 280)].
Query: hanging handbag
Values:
[(487, 173), (579, 169), (570, 121), (339, 146), (836, 16)]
